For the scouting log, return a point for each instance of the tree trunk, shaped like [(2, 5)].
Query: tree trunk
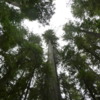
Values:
[(97, 35), (54, 89)]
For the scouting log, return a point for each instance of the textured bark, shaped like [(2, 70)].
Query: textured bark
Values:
[(54, 89)]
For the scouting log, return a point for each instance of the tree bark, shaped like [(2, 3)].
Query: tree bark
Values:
[(54, 89), (97, 35)]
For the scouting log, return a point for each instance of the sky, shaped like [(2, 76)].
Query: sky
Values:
[(58, 20)]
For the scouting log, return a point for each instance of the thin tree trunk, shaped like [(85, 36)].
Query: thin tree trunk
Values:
[(27, 89), (97, 35)]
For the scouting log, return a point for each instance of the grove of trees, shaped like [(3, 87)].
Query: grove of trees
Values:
[(25, 72)]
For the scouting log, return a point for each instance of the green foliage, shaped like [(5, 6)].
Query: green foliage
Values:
[(69, 89), (35, 9), (23, 73), (41, 89), (12, 35), (21, 54), (9, 13), (82, 53), (84, 8), (34, 38), (19, 69), (49, 36)]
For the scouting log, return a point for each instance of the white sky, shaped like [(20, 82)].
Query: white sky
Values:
[(61, 16)]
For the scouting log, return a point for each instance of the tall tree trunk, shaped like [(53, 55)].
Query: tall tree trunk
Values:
[(54, 89)]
